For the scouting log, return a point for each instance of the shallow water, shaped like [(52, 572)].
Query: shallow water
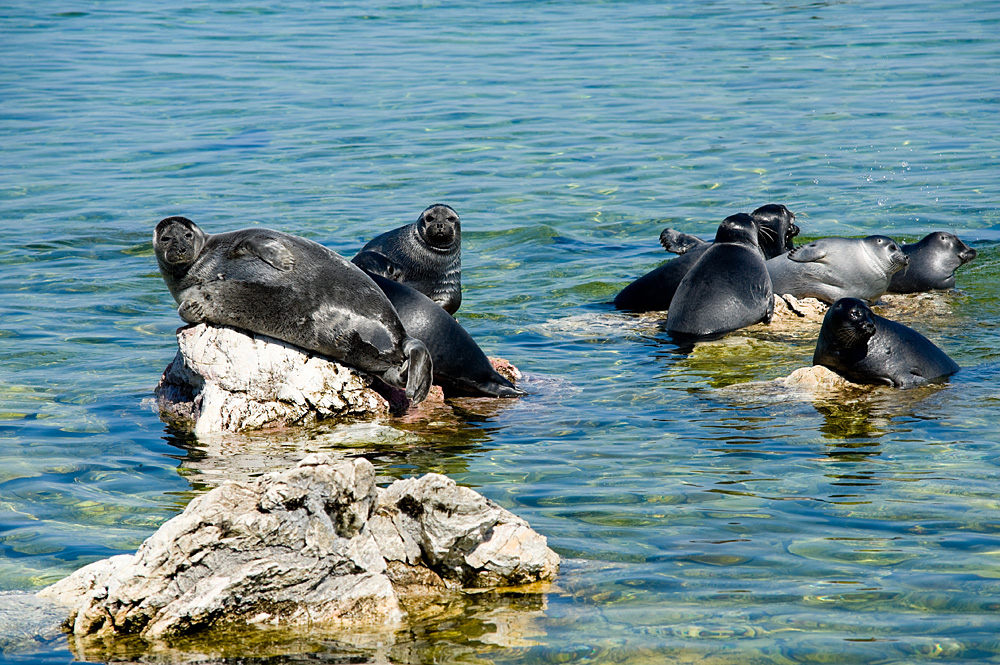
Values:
[(698, 523)]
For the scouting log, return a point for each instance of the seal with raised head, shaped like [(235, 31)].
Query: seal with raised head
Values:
[(933, 262), (294, 290), (425, 255), (833, 268), (775, 230), (460, 366), (726, 289), (864, 347), (655, 290)]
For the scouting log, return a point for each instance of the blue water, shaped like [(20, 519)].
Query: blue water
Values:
[(696, 523)]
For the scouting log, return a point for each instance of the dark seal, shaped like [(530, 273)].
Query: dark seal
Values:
[(727, 288), (294, 290), (425, 255), (776, 230), (933, 262), (866, 348), (655, 290), (460, 366)]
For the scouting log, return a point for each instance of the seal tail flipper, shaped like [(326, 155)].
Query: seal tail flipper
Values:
[(419, 370), (495, 386)]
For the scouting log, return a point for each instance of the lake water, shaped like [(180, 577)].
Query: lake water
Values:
[(697, 523)]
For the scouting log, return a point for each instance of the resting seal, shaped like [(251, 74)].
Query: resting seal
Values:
[(655, 290), (775, 230), (933, 262), (291, 289), (833, 268), (460, 366), (727, 288), (866, 348), (425, 255)]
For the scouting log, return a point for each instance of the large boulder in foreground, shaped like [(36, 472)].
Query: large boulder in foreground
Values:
[(315, 545), (227, 380)]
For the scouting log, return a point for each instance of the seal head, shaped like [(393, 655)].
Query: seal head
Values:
[(932, 263)]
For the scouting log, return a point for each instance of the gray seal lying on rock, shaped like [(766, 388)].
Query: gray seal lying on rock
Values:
[(833, 268), (727, 288), (294, 290), (864, 347), (425, 255), (933, 262)]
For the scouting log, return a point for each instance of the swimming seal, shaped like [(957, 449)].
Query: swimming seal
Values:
[(294, 290), (460, 366), (727, 288), (425, 255), (833, 268), (933, 262), (866, 348), (775, 230), (655, 290)]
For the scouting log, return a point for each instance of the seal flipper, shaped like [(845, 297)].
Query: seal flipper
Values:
[(814, 251), (497, 386), (677, 242), (378, 264), (419, 369), (269, 249)]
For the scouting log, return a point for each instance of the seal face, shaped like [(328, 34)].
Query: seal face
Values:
[(866, 348), (294, 290), (933, 262), (655, 290), (833, 268), (425, 255), (727, 288), (460, 366)]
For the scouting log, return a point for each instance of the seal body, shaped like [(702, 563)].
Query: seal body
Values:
[(460, 366), (833, 268), (425, 255), (726, 289), (932, 263), (294, 290), (775, 229), (864, 347)]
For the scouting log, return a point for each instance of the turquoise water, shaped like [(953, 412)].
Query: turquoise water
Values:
[(697, 523)]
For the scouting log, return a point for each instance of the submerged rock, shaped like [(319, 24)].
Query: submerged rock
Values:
[(315, 545)]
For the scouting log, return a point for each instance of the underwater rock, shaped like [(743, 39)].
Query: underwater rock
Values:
[(315, 545), (227, 380)]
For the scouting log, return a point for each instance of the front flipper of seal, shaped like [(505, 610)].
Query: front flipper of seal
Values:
[(416, 373), (269, 249), (678, 242)]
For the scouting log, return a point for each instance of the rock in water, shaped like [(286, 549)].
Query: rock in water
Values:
[(227, 380), (315, 545)]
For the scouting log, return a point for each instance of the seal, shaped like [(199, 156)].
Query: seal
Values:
[(727, 288), (655, 290), (933, 262), (864, 347), (833, 268), (425, 255), (460, 366), (776, 229), (294, 290)]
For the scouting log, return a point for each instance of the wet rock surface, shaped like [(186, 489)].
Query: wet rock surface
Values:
[(315, 545)]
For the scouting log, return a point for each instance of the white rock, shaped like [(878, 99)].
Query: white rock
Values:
[(226, 380), (308, 546)]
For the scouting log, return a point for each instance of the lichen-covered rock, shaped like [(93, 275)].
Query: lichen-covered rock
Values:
[(315, 545), (227, 380)]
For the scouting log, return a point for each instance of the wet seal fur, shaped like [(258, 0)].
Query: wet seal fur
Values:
[(833, 268), (460, 366), (294, 290), (655, 290), (933, 262), (864, 347), (425, 255), (726, 289)]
